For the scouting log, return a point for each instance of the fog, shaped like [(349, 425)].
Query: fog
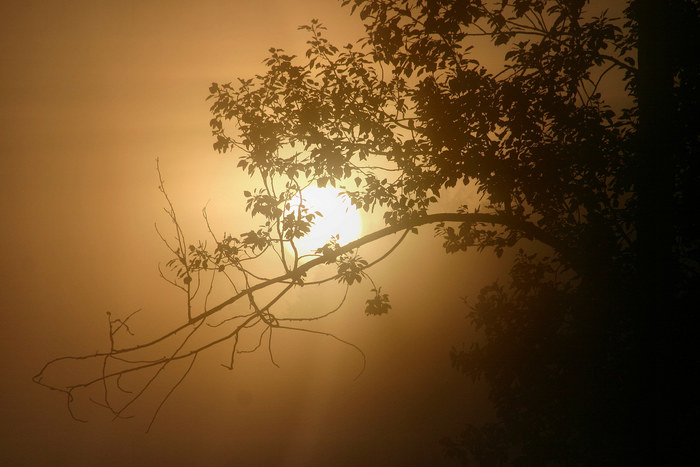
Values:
[(94, 92)]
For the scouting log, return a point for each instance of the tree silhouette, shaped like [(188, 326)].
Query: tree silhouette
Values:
[(541, 108)]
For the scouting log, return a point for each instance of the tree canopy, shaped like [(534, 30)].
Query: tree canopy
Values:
[(538, 106)]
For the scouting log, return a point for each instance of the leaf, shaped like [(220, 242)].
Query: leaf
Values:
[(379, 304)]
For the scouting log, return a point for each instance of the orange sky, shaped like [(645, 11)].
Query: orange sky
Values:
[(91, 93)]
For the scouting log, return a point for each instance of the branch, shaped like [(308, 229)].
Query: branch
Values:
[(529, 230), (620, 63)]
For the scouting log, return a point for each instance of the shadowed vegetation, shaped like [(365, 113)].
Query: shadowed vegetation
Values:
[(577, 128)]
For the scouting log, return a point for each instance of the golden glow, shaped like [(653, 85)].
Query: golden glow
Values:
[(339, 218)]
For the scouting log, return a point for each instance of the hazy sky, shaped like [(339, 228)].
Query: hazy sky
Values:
[(91, 93)]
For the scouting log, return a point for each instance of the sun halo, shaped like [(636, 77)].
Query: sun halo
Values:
[(339, 217)]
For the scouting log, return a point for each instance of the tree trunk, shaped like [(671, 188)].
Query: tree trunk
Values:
[(657, 150)]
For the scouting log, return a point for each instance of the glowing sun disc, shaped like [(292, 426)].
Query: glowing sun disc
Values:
[(339, 218)]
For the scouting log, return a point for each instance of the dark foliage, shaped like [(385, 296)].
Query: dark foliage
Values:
[(565, 146), (583, 157)]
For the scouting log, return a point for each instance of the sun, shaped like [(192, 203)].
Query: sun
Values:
[(339, 217)]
